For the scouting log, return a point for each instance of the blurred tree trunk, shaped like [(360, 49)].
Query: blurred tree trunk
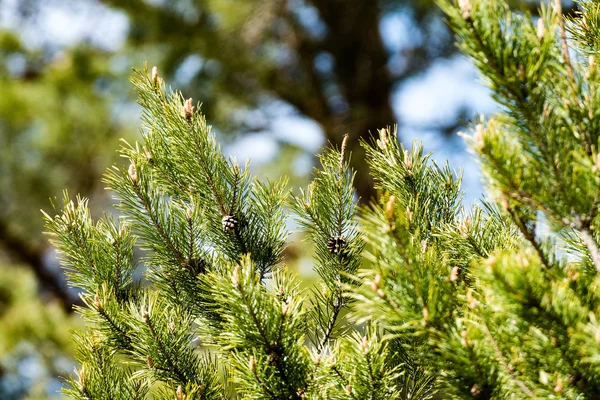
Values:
[(360, 64)]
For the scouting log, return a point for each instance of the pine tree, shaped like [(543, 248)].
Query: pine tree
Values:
[(501, 300), (218, 315), (420, 295)]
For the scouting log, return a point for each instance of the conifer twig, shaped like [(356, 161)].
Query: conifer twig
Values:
[(157, 225), (530, 236), (270, 347), (503, 362), (206, 170)]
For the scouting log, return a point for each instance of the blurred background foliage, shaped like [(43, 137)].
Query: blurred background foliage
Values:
[(278, 80)]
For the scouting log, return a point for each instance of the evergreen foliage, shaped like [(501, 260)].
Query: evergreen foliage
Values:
[(501, 300), (221, 316), (496, 301)]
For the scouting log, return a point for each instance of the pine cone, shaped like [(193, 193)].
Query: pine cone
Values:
[(336, 244), (229, 223)]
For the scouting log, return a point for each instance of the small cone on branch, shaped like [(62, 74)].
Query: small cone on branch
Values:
[(229, 223), (336, 244)]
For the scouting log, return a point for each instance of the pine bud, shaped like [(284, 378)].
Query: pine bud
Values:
[(475, 390), (464, 227), (559, 385), (252, 364), (382, 142), (343, 150), (97, 302), (150, 362), (172, 326), (179, 393), (504, 203), (148, 155), (82, 376), (155, 74), (188, 108), (407, 160), (133, 172), (377, 280), (318, 359), (374, 286), (409, 214), (284, 309), (364, 345), (541, 29), (235, 277), (348, 389), (465, 8), (389, 208), (558, 7), (189, 213), (454, 274), (425, 313), (478, 136), (471, 301), (145, 317), (521, 71)]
